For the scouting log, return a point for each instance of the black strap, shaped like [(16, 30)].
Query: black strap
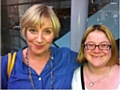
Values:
[(82, 78)]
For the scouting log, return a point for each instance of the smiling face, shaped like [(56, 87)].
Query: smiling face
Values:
[(39, 38), (97, 57)]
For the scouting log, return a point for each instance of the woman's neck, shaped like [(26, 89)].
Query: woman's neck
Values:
[(97, 70), (42, 56)]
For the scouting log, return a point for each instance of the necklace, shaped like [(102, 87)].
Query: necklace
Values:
[(91, 82), (30, 74)]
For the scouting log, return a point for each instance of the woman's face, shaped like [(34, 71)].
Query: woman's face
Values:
[(96, 56), (39, 39)]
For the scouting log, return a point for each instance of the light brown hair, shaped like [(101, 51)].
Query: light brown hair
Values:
[(114, 58)]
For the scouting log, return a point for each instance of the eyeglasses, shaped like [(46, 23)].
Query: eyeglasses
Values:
[(101, 46)]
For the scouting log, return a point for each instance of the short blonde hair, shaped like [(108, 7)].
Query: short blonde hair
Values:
[(114, 58), (36, 15)]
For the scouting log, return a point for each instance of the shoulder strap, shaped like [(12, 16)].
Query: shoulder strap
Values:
[(11, 61), (82, 78)]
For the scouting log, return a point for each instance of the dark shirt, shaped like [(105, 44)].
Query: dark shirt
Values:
[(64, 64)]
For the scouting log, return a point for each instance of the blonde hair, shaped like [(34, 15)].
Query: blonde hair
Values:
[(36, 15), (114, 58)]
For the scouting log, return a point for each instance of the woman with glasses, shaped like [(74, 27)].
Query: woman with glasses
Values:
[(39, 65), (99, 53)]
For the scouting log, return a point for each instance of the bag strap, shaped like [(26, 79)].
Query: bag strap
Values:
[(11, 61)]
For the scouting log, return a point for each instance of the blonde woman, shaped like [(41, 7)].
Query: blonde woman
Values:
[(40, 66)]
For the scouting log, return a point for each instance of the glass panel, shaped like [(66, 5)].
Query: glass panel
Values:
[(105, 12)]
